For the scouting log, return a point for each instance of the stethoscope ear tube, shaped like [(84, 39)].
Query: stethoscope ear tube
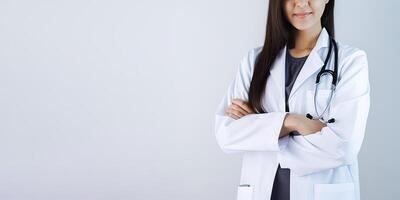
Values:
[(331, 120), (323, 68)]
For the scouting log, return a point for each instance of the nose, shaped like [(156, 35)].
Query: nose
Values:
[(301, 3)]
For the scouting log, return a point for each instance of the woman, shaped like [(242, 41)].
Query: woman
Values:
[(269, 113)]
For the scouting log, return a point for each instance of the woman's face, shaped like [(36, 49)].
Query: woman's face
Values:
[(304, 14)]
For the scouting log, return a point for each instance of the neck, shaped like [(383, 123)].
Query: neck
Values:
[(306, 39)]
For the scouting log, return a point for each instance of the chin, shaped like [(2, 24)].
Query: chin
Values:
[(303, 26)]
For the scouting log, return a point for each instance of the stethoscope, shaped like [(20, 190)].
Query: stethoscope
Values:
[(326, 72)]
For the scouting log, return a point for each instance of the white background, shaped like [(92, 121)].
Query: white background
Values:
[(116, 99)]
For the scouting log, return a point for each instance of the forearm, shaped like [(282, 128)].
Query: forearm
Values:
[(289, 125)]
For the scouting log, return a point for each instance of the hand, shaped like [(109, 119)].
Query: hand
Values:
[(238, 109), (302, 124)]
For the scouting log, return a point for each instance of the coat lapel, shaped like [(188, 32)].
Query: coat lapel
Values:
[(278, 76), (313, 64)]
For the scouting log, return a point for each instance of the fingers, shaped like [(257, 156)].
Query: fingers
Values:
[(233, 113), (244, 105), (238, 109)]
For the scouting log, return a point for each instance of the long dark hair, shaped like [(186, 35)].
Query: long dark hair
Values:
[(279, 32)]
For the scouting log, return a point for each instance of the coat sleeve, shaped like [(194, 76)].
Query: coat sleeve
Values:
[(338, 143), (253, 132)]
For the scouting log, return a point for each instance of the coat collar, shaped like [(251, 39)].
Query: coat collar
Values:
[(313, 63)]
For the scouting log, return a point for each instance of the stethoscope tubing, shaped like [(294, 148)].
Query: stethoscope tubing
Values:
[(323, 72)]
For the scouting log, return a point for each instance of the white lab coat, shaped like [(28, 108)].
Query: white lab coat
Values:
[(323, 165)]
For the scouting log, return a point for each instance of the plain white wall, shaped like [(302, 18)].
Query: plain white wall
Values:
[(374, 27), (116, 99)]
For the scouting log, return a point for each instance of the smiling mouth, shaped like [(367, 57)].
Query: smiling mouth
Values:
[(302, 15)]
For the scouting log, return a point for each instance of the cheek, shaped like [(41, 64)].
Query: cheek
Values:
[(318, 7), (288, 8)]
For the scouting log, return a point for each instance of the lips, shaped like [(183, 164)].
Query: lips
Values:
[(302, 14)]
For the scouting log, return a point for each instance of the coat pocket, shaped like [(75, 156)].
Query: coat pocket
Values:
[(342, 191), (245, 192)]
